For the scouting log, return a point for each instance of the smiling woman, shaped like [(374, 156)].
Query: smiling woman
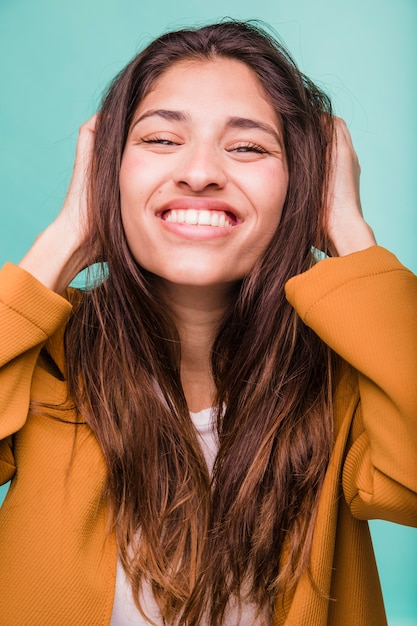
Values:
[(205, 169), (208, 425)]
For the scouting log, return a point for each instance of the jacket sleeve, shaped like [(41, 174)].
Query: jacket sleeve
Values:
[(29, 314), (364, 306)]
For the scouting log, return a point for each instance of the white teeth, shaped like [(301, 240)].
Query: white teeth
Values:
[(214, 219), (194, 217), (204, 218), (191, 216)]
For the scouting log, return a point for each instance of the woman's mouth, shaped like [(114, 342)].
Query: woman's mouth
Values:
[(204, 217)]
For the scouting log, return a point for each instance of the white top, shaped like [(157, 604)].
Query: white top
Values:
[(125, 612)]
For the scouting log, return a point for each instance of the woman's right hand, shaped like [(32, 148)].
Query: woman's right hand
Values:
[(60, 251)]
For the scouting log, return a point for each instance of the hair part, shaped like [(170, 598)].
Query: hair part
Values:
[(204, 539)]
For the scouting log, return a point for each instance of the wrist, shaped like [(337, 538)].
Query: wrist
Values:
[(55, 257), (352, 237)]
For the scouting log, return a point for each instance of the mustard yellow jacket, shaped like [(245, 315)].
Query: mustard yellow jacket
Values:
[(57, 555)]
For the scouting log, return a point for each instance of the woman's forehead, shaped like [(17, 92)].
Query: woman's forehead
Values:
[(208, 85)]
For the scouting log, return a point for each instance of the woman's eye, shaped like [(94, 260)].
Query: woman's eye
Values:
[(249, 147), (160, 140)]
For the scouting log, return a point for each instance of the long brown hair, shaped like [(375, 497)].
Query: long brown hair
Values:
[(200, 540)]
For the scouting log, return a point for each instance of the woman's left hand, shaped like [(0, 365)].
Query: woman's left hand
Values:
[(346, 228)]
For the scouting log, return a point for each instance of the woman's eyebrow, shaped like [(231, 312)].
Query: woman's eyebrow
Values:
[(232, 122), (244, 122), (166, 114)]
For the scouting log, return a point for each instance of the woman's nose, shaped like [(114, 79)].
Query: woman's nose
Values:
[(201, 167)]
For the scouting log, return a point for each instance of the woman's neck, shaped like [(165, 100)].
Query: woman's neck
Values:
[(198, 312)]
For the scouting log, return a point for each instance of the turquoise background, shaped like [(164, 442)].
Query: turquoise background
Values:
[(56, 58)]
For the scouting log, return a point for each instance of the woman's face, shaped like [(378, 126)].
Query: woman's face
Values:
[(203, 177)]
